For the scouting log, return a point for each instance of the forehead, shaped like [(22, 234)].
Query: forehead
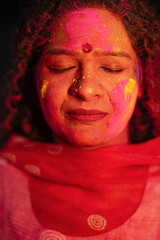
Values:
[(98, 27)]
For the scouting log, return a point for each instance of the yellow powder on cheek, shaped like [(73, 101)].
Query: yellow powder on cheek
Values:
[(131, 90), (44, 87)]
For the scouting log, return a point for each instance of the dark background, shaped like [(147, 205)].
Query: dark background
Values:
[(9, 17)]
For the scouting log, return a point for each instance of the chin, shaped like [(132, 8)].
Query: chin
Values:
[(84, 142), (83, 139)]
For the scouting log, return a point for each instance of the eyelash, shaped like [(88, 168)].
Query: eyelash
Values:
[(112, 70), (60, 70), (56, 70)]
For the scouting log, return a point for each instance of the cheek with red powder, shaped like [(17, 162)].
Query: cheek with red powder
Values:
[(123, 99), (131, 91), (123, 95)]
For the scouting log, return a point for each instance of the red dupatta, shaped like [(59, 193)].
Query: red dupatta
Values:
[(83, 193)]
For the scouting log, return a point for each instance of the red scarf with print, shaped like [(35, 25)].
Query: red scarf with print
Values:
[(79, 192)]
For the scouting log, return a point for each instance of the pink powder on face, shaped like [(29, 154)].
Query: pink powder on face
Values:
[(118, 92), (86, 47), (85, 26), (123, 97)]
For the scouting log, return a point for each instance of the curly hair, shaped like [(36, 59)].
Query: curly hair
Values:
[(23, 113)]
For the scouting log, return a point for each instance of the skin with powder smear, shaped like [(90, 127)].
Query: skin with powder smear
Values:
[(44, 87), (123, 97), (88, 79)]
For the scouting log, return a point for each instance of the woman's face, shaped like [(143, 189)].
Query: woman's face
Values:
[(87, 79)]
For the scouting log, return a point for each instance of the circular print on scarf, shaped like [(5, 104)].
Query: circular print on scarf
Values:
[(55, 149), (51, 235), (97, 222), (33, 169), (11, 157)]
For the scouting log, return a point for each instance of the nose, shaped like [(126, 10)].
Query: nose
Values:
[(86, 86)]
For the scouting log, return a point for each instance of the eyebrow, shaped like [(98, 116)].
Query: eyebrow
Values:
[(58, 51), (112, 53)]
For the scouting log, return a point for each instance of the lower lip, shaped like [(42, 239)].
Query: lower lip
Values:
[(87, 118)]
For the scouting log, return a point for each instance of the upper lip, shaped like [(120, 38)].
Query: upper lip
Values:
[(81, 111)]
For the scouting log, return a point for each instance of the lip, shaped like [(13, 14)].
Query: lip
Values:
[(84, 115)]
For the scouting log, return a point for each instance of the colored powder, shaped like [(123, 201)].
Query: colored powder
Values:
[(44, 88)]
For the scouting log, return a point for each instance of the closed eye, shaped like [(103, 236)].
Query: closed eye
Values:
[(60, 70), (113, 70)]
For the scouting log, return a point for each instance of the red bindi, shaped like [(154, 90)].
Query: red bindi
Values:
[(86, 47)]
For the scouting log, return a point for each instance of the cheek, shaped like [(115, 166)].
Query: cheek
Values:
[(50, 87), (118, 93), (123, 97), (131, 90), (44, 89), (50, 105), (52, 94), (42, 82), (52, 97)]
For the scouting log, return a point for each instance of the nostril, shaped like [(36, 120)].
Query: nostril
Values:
[(85, 87)]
